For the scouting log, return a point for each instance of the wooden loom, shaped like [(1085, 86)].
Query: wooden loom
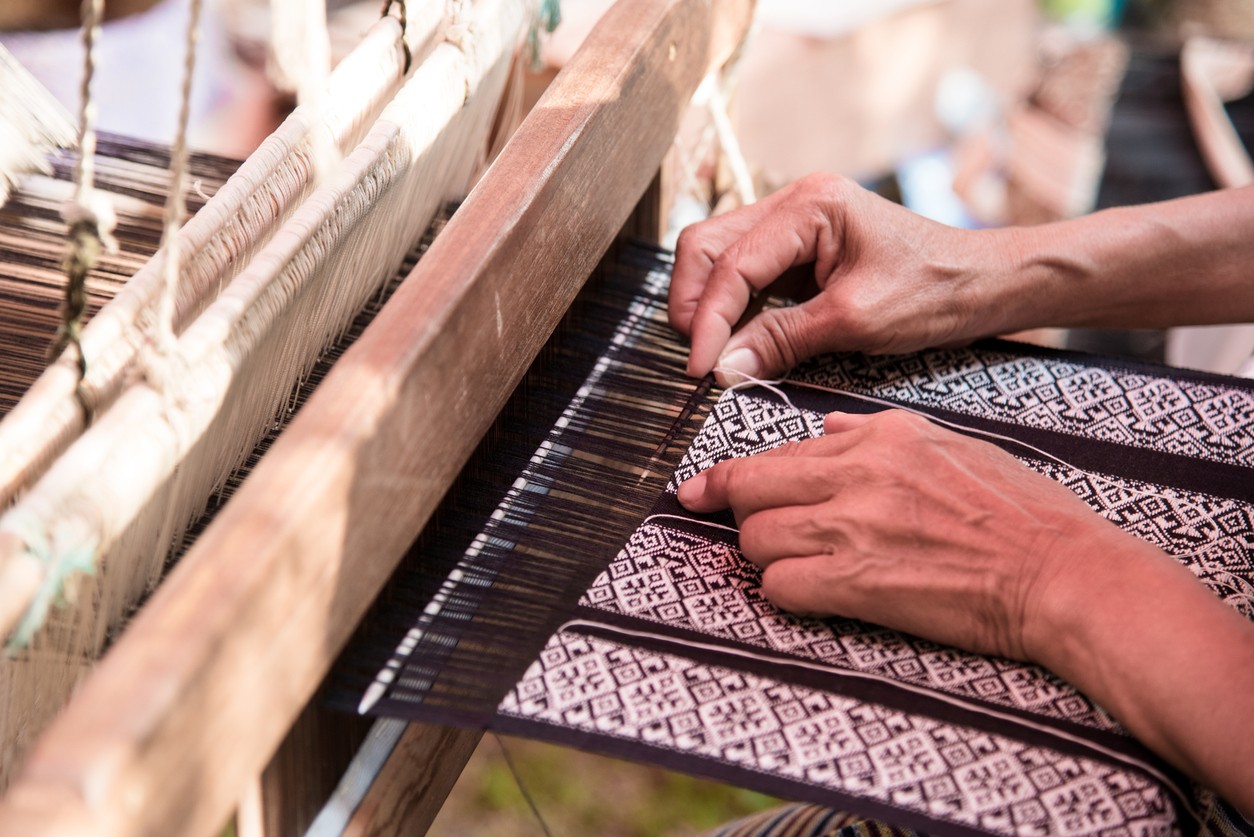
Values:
[(192, 701)]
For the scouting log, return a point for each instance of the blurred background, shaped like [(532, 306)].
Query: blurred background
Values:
[(973, 112)]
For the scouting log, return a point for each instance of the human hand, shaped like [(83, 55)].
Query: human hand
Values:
[(891, 519), (889, 280)]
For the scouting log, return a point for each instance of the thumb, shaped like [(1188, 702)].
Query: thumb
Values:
[(773, 342)]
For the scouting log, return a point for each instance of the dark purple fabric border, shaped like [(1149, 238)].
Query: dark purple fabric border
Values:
[(1159, 467)]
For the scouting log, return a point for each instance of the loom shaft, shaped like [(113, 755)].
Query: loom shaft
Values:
[(313, 535)]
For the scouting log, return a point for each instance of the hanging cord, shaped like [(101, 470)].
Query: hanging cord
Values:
[(730, 145), (175, 204), (403, 15), (89, 214), (513, 770)]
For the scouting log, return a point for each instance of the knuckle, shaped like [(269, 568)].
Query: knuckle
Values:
[(773, 590), (781, 589), (791, 448), (725, 267), (851, 323), (754, 536), (862, 322), (690, 240), (857, 324), (825, 183), (786, 336), (832, 189), (902, 422), (736, 477)]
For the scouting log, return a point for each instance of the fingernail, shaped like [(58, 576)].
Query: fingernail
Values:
[(739, 365), (691, 489)]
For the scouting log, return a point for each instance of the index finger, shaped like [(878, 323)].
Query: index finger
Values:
[(790, 235), (698, 247), (791, 474)]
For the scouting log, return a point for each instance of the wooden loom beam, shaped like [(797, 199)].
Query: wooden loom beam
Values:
[(198, 692)]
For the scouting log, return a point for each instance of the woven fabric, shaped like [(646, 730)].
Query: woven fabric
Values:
[(799, 820), (674, 656), (609, 618)]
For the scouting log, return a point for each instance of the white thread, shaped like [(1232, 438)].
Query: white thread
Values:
[(772, 386), (694, 520), (175, 204), (794, 662), (731, 147), (747, 380)]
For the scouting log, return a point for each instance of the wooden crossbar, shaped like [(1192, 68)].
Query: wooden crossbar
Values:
[(194, 698)]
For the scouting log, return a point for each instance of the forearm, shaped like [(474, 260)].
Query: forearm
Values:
[(1183, 262), (1171, 662)]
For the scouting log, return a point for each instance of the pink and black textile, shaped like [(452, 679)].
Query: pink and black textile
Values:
[(669, 654)]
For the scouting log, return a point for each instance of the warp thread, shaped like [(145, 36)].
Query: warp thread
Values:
[(175, 206)]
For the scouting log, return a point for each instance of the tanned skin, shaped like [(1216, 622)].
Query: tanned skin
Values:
[(895, 520)]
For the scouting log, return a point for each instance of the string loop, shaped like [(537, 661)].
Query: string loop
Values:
[(403, 17)]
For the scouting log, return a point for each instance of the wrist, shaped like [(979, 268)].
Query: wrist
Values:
[(1175, 263), (1012, 284), (1089, 586)]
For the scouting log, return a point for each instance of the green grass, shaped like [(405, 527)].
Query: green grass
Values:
[(579, 793)]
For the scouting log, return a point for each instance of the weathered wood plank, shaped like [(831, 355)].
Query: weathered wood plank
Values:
[(308, 765), (199, 691), (409, 791)]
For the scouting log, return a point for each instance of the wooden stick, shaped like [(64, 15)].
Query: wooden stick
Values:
[(198, 692), (397, 782), (415, 781), (124, 491)]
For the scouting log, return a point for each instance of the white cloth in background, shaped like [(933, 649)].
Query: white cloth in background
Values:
[(1227, 349), (139, 70)]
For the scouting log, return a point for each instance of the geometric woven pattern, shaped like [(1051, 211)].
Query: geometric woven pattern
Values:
[(900, 760), (741, 425), (1198, 419), (679, 577), (1212, 536), (684, 580)]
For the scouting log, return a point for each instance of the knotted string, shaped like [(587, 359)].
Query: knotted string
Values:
[(89, 214), (403, 16)]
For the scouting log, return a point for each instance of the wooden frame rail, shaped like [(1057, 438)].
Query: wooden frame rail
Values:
[(188, 706)]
